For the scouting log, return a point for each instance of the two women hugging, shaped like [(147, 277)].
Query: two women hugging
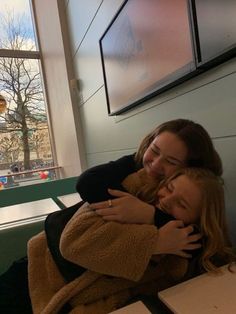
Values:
[(147, 221)]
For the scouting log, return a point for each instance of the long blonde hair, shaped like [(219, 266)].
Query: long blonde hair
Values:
[(212, 222)]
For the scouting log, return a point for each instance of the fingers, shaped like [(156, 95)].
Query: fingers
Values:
[(101, 205), (176, 223), (105, 212), (109, 203), (193, 246), (111, 218), (195, 237), (188, 230), (183, 254), (108, 214)]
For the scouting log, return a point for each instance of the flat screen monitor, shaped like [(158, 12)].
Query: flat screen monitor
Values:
[(216, 27), (146, 49)]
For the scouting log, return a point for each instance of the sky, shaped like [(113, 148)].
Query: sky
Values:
[(19, 7)]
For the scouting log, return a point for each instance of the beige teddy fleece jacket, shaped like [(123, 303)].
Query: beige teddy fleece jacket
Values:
[(118, 259)]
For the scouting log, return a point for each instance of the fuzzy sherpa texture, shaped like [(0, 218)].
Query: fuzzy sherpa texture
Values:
[(118, 258)]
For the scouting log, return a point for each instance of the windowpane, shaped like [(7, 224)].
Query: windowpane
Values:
[(24, 135), (16, 27)]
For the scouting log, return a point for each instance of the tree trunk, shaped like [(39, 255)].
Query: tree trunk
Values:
[(26, 148)]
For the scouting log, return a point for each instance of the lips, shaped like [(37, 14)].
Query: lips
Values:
[(151, 172)]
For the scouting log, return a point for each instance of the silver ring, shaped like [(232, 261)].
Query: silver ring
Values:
[(109, 203)]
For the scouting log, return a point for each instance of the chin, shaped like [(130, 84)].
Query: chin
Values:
[(153, 174)]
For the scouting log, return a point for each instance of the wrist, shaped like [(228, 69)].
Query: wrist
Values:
[(151, 215), (157, 249)]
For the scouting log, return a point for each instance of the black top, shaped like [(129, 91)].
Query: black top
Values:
[(93, 183)]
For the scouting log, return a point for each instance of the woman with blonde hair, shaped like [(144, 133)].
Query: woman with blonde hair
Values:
[(120, 261), (211, 223)]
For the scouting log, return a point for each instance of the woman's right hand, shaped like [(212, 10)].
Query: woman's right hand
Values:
[(175, 238), (125, 208)]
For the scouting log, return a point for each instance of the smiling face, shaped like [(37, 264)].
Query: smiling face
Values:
[(181, 198), (164, 155)]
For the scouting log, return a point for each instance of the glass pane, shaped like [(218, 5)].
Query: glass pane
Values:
[(24, 135), (16, 27)]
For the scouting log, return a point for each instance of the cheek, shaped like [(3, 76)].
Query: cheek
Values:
[(180, 214), (146, 156), (190, 217), (170, 169)]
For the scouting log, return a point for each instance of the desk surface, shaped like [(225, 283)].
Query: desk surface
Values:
[(134, 308), (23, 211), (205, 294), (69, 199)]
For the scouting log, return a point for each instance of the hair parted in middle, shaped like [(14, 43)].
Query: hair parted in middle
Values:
[(201, 152)]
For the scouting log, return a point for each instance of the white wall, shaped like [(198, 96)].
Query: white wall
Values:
[(208, 99), (63, 116)]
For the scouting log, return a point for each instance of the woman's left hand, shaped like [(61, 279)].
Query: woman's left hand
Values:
[(125, 208)]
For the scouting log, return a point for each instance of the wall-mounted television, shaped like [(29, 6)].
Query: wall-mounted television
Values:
[(215, 25), (153, 45)]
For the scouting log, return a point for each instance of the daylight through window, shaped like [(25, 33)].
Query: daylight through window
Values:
[(25, 150)]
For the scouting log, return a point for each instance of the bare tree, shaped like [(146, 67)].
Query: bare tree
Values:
[(10, 147), (36, 140), (20, 83)]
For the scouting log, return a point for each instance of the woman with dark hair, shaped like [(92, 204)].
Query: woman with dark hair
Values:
[(201, 152), (173, 145)]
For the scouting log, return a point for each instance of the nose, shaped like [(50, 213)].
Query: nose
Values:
[(157, 164)]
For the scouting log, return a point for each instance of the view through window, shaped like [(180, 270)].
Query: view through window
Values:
[(25, 150)]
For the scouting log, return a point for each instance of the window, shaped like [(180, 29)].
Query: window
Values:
[(24, 134)]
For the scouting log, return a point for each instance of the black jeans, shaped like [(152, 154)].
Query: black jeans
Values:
[(14, 292)]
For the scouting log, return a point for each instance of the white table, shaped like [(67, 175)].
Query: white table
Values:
[(19, 223), (69, 199), (134, 308), (26, 211), (204, 294)]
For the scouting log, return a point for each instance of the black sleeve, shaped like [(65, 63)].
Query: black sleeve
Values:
[(92, 184), (161, 218)]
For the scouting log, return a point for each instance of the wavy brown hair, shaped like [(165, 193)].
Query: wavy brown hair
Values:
[(201, 152), (212, 223)]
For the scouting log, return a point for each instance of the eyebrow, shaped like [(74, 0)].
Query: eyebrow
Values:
[(169, 157), (186, 203)]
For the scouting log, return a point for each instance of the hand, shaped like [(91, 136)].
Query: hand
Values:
[(174, 238), (125, 208)]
